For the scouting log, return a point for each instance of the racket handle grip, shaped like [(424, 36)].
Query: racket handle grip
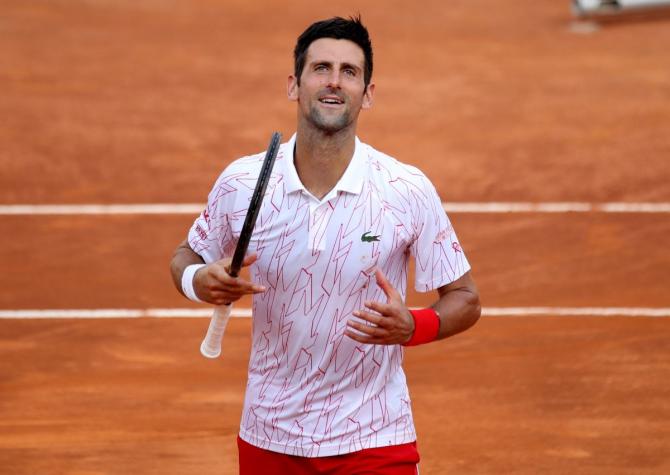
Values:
[(211, 345)]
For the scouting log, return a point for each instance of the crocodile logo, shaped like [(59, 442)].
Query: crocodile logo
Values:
[(366, 238)]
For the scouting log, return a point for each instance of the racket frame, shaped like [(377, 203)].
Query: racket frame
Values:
[(212, 343)]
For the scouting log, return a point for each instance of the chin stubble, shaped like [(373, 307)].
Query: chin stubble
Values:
[(323, 123)]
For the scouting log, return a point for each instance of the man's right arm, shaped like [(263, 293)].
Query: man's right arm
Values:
[(212, 283), (183, 257)]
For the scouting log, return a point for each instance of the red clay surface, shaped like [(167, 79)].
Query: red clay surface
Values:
[(519, 395), (519, 260), (144, 102)]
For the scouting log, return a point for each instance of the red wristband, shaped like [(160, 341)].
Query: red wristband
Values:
[(426, 326)]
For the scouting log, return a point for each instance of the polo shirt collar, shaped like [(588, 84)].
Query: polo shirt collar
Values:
[(350, 182), (291, 179)]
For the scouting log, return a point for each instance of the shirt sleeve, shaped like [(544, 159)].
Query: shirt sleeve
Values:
[(211, 235), (439, 257)]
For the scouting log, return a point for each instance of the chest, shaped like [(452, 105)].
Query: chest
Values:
[(335, 240)]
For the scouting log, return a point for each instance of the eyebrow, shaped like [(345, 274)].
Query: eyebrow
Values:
[(342, 66), (352, 66)]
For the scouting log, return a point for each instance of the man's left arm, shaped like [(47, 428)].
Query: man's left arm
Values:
[(392, 323), (458, 306)]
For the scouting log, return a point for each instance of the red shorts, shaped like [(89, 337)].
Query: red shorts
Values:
[(391, 460)]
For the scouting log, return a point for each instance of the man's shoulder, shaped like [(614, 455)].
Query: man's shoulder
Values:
[(248, 163), (393, 168), (253, 163), (238, 178), (239, 168)]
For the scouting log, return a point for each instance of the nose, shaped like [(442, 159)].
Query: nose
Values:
[(334, 79)]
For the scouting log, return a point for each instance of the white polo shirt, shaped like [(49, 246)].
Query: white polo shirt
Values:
[(312, 391)]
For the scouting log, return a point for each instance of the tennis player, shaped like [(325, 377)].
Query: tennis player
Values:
[(328, 265)]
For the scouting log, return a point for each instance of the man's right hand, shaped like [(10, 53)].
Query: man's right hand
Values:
[(213, 283)]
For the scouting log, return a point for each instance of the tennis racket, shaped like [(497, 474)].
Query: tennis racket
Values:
[(211, 345)]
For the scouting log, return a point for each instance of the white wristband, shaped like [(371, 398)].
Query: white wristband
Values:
[(187, 282)]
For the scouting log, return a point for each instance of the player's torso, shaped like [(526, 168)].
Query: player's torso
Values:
[(312, 251), (317, 259)]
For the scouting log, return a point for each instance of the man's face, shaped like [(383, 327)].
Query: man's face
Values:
[(332, 89)]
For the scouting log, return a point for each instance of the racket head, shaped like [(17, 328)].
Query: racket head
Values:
[(255, 204)]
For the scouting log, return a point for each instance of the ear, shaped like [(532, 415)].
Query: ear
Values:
[(368, 96), (292, 88)]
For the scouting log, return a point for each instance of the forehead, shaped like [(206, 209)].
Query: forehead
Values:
[(335, 51)]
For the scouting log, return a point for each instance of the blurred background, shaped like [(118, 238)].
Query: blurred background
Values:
[(112, 101), (145, 102)]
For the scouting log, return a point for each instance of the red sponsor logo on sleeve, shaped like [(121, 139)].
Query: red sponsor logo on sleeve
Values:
[(442, 235), (201, 232)]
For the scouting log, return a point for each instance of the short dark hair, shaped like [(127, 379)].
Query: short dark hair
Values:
[(340, 29)]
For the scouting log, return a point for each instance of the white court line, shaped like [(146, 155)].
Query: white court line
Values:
[(246, 312), (96, 209), (451, 207), (119, 313), (576, 311), (556, 207)]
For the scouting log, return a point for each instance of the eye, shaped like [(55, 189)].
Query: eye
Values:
[(320, 67), (350, 72)]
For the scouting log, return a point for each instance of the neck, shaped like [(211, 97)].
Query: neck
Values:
[(321, 158)]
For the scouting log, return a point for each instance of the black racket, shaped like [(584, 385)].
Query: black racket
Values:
[(211, 345)]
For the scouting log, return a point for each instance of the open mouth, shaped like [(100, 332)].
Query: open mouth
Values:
[(331, 100)]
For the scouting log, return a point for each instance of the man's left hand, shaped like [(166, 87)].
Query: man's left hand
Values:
[(389, 323)]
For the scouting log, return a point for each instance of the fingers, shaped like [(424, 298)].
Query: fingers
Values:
[(367, 330), (215, 285), (382, 323), (389, 327), (364, 335), (373, 318), (220, 271), (370, 330), (377, 335), (385, 285), (246, 262), (249, 259), (218, 279), (381, 308)]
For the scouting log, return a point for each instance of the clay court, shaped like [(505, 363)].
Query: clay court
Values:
[(121, 102)]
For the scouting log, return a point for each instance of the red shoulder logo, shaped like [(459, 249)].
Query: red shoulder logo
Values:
[(201, 232)]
